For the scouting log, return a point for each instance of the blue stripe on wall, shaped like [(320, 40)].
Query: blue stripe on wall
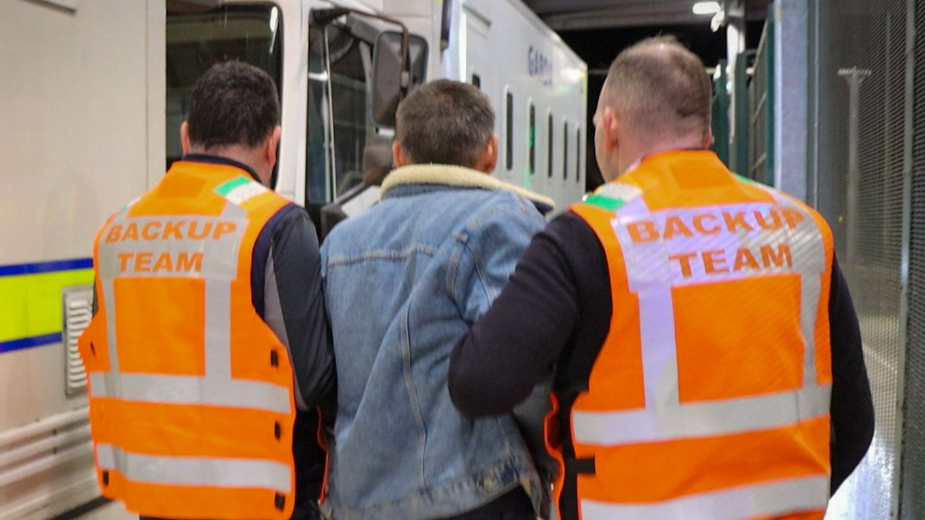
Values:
[(46, 267), (33, 341)]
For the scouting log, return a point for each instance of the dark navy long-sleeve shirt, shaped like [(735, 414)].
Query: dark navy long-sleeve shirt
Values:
[(556, 309)]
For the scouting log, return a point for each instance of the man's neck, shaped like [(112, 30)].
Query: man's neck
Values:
[(635, 157)]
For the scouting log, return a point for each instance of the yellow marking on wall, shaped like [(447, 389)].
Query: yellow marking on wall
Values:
[(30, 304)]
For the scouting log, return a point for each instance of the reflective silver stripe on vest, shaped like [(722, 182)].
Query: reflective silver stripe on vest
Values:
[(656, 266), (195, 471), (218, 330), (109, 298), (700, 419), (752, 501), (810, 290), (149, 388), (214, 243)]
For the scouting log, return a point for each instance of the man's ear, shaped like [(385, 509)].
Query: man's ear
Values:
[(398, 156), (612, 126), (272, 145), (184, 138), (708, 139), (488, 159)]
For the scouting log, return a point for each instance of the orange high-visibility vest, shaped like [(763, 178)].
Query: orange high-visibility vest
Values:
[(191, 393), (709, 399)]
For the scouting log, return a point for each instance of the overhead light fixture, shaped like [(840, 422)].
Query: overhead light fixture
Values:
[(707, 8)]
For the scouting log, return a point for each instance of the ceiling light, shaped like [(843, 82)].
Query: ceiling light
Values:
[(707, 8)]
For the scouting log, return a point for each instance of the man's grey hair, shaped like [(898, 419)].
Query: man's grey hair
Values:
[(444, 122), (660, 87)]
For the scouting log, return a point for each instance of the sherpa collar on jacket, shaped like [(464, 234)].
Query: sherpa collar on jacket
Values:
[(460, 177)]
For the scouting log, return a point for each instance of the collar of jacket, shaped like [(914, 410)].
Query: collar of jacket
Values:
[(671, 152), (217, 159), (460, 177)]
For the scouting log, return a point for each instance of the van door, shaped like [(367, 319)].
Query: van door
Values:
[(477, 51)]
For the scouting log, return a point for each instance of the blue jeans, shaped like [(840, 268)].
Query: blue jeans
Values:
[(513, 505)]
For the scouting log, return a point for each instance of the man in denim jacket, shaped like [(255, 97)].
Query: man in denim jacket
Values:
[(402, 283)]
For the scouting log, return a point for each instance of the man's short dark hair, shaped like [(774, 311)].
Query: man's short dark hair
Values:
[(233, 103), (660, 86), (444, 122)]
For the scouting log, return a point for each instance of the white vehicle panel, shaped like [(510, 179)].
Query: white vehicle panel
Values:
[(529, 61), (74, 97)]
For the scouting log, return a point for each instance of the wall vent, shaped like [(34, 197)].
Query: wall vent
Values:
[(78, 309)]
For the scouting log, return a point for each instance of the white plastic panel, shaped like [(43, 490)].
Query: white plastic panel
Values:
[(78, 303)]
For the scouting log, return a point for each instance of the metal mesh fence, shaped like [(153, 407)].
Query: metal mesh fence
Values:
[(912, 490), (760, 103), (861, 108)]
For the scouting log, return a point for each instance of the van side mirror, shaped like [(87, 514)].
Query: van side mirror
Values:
[(387, 90)]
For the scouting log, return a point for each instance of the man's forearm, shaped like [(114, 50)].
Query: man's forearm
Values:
[(511, 349)]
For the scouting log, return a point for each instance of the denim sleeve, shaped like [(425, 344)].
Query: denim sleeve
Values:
[(294, 306), (489, 250)]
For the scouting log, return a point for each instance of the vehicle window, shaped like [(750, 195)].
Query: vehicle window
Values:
[(549, 141), (531, 139), (337, 133), (319, 160), (198, 39), (509, 130), (578, 154), (564, 149)]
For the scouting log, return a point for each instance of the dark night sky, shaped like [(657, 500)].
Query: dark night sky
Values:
[(599, 47)]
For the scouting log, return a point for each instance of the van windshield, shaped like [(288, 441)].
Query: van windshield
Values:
[(198, 37)]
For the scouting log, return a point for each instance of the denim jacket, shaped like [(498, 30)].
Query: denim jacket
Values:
[(402, 283)]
